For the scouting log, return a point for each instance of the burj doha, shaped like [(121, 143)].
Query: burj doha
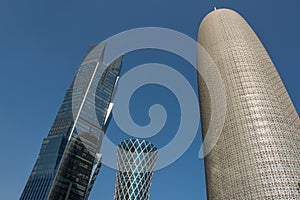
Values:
[(257, 155)]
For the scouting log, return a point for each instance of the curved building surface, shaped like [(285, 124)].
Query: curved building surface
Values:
[(257, 154), (136, 161)]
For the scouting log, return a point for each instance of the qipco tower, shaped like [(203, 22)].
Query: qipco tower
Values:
[(257, 155), (136, 162)]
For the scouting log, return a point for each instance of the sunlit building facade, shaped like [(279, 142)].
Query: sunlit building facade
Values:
[(258, 153), (69, 159), (136, 162)]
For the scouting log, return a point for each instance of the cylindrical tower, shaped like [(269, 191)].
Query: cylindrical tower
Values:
[(257, 154), (136, 161)]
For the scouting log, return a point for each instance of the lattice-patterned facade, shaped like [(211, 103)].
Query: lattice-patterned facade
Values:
[(136, 161), (258, 153)]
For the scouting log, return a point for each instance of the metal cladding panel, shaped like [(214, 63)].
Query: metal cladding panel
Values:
[(257, 154)]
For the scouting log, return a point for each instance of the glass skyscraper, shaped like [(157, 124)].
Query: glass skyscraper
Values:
[(136, 161), (69, 159), (257, 154)]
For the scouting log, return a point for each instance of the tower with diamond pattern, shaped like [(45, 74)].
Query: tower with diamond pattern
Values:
[(136, 161)]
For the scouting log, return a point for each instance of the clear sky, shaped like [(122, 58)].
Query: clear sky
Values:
[(42, 43)]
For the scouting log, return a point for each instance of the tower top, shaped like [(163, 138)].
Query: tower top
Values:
[(215, 8)]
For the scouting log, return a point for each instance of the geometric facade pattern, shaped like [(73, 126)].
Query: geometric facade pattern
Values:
[(69, 159), (136, 160), (257, 153)]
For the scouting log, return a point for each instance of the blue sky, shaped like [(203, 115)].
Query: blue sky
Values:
[(43, 43)]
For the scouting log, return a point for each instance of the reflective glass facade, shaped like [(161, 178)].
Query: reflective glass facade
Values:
[(69, 162), (257, 154), (136, 161)]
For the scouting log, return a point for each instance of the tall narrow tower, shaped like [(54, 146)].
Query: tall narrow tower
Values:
[(69, 162), (257, 154), (136, 161)]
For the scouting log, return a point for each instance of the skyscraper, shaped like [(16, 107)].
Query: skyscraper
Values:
[(136, 161), (257, 154), (69, 162)]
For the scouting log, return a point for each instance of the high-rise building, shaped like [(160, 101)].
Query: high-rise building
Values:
[(257, 153), (136, 161), (69, 159)]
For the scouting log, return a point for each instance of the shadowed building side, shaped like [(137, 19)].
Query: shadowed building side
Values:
[(257, 154)]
